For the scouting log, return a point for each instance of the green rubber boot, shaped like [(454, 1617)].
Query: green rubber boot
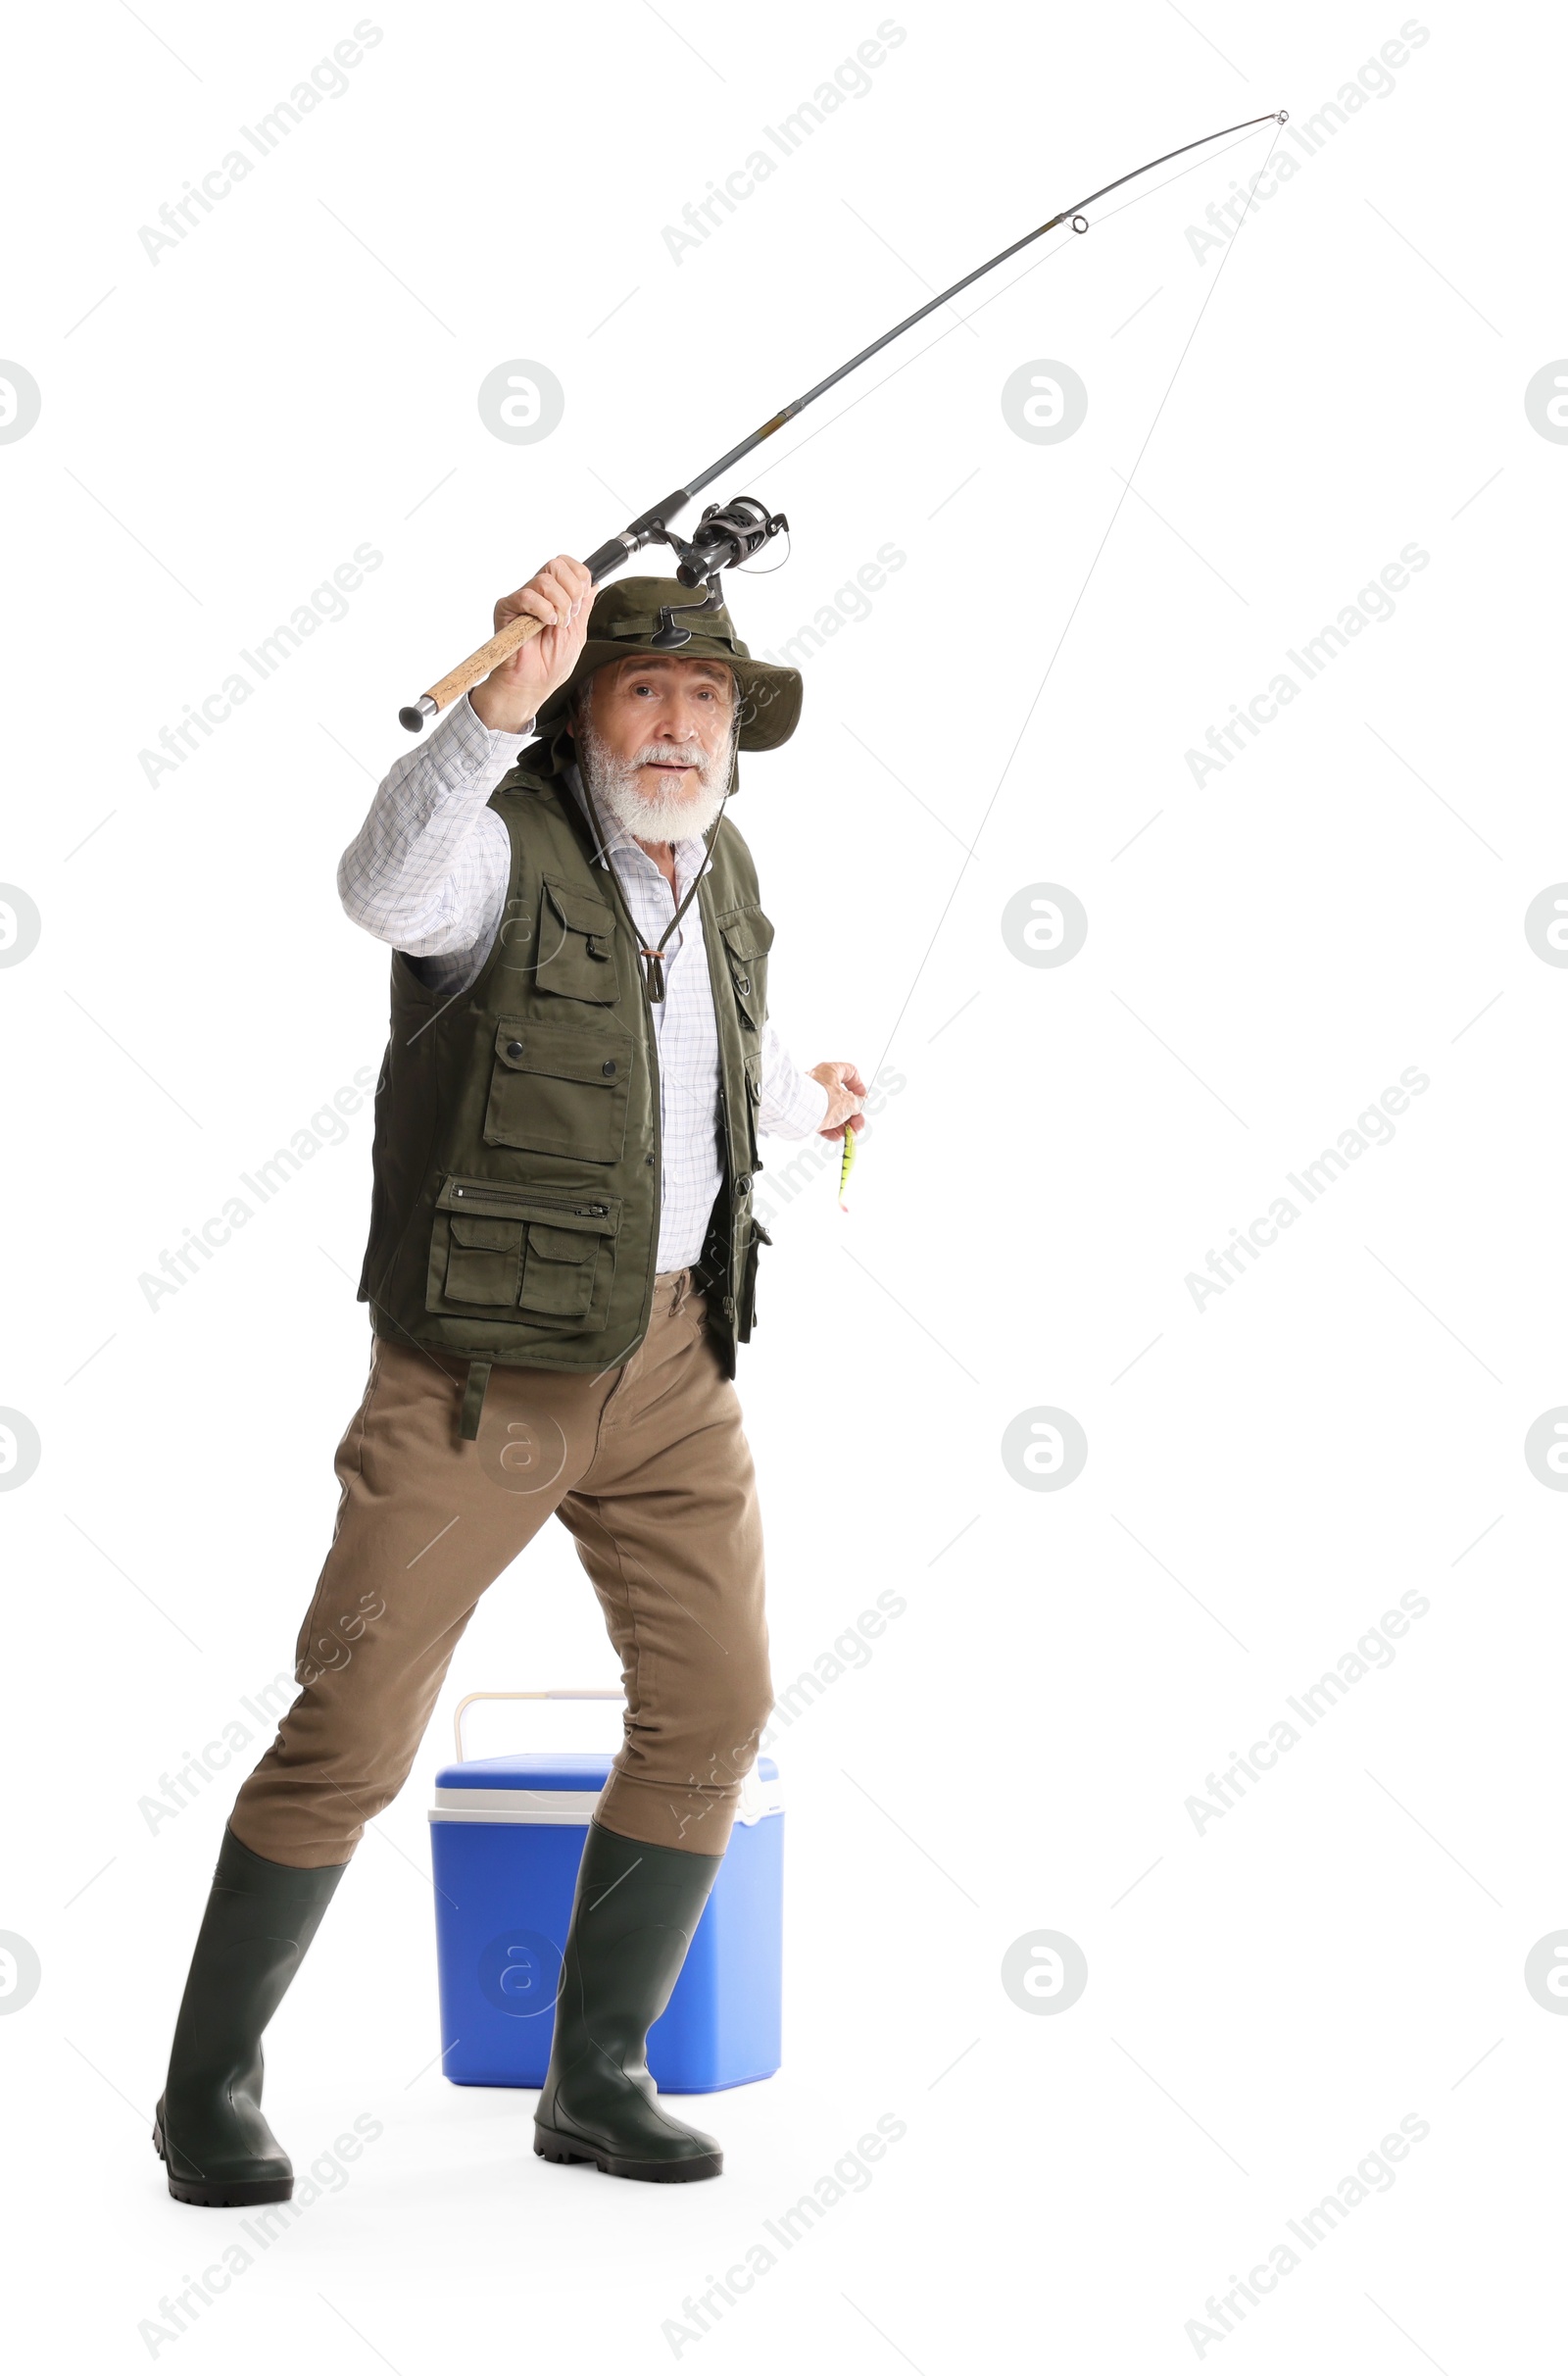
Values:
[(259, 1919), (634, 1916)]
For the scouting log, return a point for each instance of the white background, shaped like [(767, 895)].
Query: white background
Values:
[(1267, 1998)]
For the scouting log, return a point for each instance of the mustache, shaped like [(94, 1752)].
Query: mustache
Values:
[(672, 755)]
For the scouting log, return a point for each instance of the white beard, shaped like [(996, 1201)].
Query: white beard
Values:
[(669, 817)]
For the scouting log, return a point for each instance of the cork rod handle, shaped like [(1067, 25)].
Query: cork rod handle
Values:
[(511, 638)]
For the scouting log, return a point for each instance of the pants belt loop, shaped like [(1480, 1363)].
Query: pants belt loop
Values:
[(683, 1281)]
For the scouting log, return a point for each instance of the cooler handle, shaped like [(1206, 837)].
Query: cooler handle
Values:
[(571, 1693)]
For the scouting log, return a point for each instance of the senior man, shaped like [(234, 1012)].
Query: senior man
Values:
[(561, 1262)]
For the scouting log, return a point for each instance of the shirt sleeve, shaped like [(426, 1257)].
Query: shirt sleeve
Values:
[(793, 1105), (427, 870)]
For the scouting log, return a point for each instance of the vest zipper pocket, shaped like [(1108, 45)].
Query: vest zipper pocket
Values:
[(497, 1195), (511, 1199), (524, 1257)]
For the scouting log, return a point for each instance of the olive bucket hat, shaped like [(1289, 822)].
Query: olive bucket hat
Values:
[(624, 619)]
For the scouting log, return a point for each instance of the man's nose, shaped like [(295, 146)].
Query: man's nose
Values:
[(681, 720)]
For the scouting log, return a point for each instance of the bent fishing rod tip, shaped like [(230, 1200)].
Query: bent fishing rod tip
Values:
[(650, 527)]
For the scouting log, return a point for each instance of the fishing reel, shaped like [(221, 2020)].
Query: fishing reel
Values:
[(727, 535)]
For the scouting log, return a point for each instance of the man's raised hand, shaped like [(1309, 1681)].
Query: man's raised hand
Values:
[(561, 594)]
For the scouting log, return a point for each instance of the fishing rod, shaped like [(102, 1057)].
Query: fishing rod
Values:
[(732, 532)]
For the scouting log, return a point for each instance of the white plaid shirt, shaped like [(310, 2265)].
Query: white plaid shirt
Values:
[(427, 873)]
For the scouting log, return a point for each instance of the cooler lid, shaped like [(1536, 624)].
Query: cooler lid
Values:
[(561, 1786), (531, 1769)]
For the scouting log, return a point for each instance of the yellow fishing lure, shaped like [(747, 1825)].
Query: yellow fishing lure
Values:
[(847, 1165)]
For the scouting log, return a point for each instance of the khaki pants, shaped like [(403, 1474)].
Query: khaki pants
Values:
[(648, 1467)]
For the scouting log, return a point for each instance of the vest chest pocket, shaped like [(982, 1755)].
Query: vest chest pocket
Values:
[(561, 1089), (748, 937), (576, 947)]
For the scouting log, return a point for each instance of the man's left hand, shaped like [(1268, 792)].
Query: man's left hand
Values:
[(845, 1093)]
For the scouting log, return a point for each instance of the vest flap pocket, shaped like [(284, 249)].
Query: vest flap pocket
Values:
[(558, 1274), (747, 932), (565, 1052), (579, 910), (495, 1236), (484, 1260), (748, 937), (560, 1245), (562, 1089), (576, 945)]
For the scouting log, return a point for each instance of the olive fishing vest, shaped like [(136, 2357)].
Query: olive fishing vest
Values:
[(514, 1215)]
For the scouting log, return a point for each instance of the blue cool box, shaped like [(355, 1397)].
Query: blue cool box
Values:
[(507, 1836)]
